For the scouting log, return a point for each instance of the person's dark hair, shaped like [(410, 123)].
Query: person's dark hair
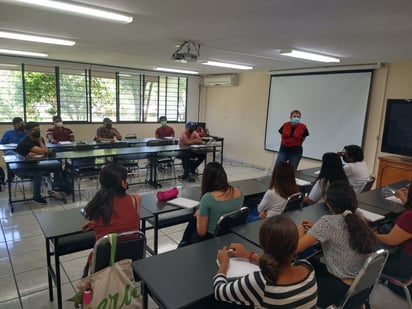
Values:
[(55, 117), (106, 120), (161, 118), (408, 204), (355, 152), (214, 178), (31, 124), (341, 197), (283, 179), (278, 237), (101, 205), (295, 111), (17, 120), (331, 170)]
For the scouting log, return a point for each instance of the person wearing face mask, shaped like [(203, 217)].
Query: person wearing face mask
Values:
[(106, 133), (355, 168), (164, 130), (190, 137), (293, 134), (59, 133), (15, 135), (32, 146)]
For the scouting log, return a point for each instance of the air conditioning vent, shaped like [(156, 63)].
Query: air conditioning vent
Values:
[(224, 80)]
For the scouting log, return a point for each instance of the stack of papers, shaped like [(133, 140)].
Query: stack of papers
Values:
[(370, 216), (183, 202), (394, 199), (239, 267)]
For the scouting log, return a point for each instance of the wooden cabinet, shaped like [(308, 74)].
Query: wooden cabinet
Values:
[(393, 169)]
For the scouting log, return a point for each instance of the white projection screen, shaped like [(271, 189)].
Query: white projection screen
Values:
[(333, 107)]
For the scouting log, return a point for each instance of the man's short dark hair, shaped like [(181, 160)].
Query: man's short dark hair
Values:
[(17, 120), (31, 124), (355, 152), (56, 117), (161, 118)]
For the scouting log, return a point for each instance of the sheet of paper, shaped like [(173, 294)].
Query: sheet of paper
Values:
[(393, 198), (11, 145), (317, 172), (183, 202), (65, 142), (370, 216), (239, 267), (301, 182)]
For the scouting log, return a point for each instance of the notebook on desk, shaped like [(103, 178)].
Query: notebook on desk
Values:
[(183, 202), (239, 267), (370, 216)]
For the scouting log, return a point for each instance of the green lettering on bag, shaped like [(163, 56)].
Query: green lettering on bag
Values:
[(111, 300)]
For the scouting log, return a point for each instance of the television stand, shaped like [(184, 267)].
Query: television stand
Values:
[(393, 169)]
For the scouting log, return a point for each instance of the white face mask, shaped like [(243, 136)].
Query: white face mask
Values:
[(59, 124)]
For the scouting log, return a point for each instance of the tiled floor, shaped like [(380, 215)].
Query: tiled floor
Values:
[(23, 275)]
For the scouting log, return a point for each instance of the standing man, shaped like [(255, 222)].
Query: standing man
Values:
[(106, 133), (59, 133), (293, 134), (164, 130), (190, 137), (15, 135), (33, 146), (355, 168)]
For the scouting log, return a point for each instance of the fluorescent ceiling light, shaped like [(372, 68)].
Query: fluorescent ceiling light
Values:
[(307, 56), (21, 53), (228, 65), (176, 71), (35, 38), (79, 9)]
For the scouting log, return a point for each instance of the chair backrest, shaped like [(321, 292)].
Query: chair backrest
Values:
[(231, 219), (365, 281), (368, 185), (294, 202), (130, 245)]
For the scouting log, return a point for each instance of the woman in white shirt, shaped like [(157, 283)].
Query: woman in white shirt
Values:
[(282, 185), (330, 171)]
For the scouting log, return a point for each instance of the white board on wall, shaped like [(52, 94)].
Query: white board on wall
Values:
[(333, 106)]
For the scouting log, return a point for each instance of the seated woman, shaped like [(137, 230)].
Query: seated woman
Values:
[(280, 282), (399, 264), (282, 185), (111, 210), (218, 198), (330, 171), (346, 241)]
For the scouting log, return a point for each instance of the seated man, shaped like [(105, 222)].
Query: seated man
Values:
[(164, 130), (106, 133), (59, 133), (355, 168), (32, 146), (190, 137), (15, 135)]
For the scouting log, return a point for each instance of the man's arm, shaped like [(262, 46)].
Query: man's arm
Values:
[(38, 150)]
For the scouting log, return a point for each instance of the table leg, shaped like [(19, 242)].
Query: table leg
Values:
[(9, 175), (156, 233), (49, 269), (145, 304), (58, 279)]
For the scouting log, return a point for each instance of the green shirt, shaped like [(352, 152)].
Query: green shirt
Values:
[(214, 209)]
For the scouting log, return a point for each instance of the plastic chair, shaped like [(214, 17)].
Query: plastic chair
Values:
[(365, 281), (294, 202), (231, 219), (403, 283), (130, 245), (368, 185)]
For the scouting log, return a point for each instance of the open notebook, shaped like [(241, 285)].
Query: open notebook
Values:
[(239, 267), (370, 216), (183, 202)]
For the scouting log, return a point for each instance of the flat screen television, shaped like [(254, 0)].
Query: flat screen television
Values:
[(397, 131)]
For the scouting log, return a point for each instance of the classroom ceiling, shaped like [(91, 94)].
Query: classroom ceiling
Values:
[(248, 32)]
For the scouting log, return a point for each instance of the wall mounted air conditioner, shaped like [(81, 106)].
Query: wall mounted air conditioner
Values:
[(225, 80)]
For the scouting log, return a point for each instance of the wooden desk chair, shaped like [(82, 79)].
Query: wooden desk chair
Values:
[(365, 281), (230, 220)]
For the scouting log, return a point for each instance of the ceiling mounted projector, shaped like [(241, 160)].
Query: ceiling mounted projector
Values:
[(187, 52)]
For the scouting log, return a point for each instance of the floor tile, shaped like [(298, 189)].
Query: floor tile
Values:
[(27, 245), (40, 299), (8, 290), (4, 252), (74, 268), (22, 231), (25, 262), (11, 304), (5, 267)]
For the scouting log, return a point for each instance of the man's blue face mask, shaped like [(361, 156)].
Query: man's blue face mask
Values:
[(295, 120)]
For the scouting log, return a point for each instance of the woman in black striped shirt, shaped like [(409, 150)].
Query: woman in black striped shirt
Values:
[(280, 283)]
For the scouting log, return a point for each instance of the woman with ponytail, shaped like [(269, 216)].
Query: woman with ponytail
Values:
[(346, 241), (281, 282)]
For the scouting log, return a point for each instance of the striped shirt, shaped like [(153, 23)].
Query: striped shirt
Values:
[(254, 290)]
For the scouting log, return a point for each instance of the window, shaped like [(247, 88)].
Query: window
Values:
[(40, 93), (103, 96), (73, 95), (11, 93), (130, 96)]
